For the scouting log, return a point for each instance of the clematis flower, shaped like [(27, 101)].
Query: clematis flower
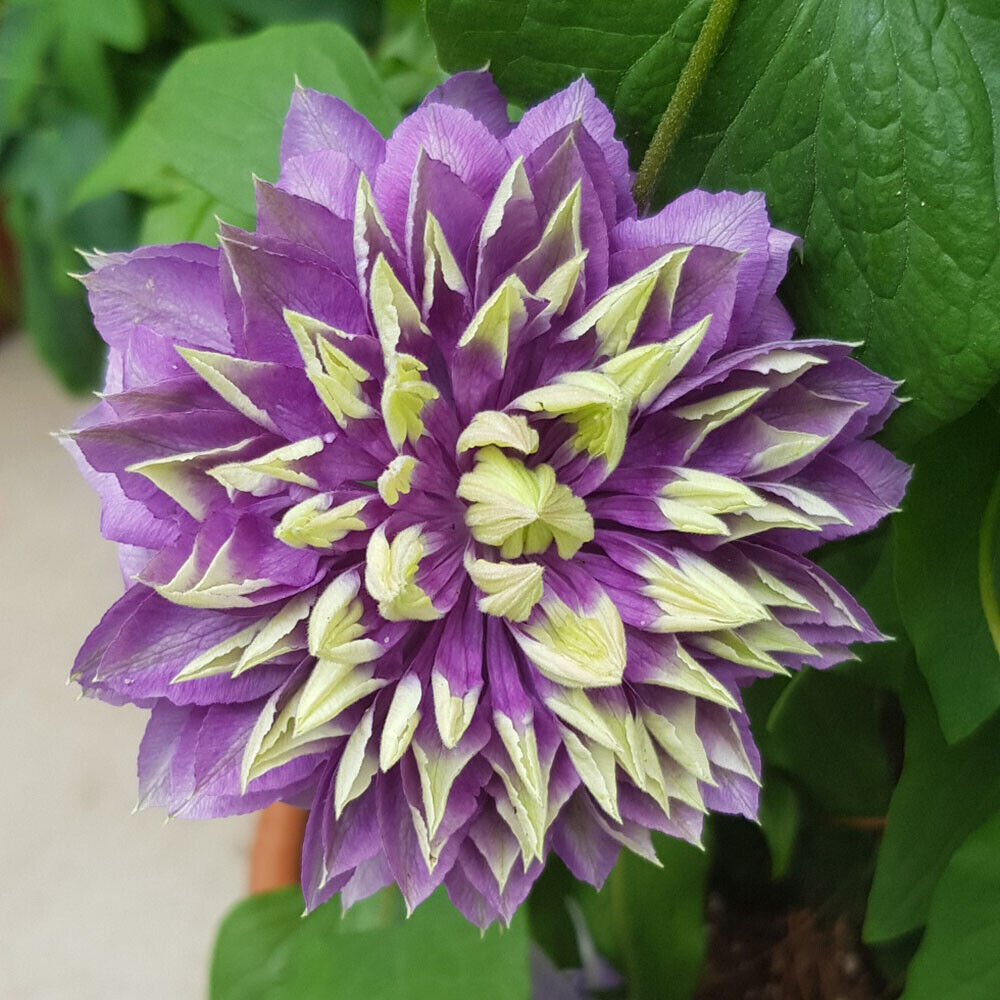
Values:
[(459, 504)]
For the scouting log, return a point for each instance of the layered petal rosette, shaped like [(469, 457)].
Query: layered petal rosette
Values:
[(459, 504)]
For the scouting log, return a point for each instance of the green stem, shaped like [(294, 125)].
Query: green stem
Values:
[(988, 536), (689, 85)]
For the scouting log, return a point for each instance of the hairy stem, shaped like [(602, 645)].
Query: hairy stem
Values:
[(689, 85)]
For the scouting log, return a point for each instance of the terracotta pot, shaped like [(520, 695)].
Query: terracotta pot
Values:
[(277, 847)]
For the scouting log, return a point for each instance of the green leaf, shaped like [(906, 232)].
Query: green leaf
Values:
[(864, 565), (632, 51), (943, 793), (216, 116), (824, 731), (405, 55), (190, 215), (56, 319), (869, 124), (251, 949), (361, 19), (938, 569), (959, 957), (38, 179), (119, 23), (872, 127), (267, 951), (25, 32), (550, 927), (780, 817), (649, 922), (83, 68)]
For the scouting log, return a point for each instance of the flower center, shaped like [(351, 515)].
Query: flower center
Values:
[(522, 510)]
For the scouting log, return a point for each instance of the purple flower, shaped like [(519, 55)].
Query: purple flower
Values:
[(460, 504)]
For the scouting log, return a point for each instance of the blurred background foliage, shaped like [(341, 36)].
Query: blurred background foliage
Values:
[(871, 128), (81, 166)]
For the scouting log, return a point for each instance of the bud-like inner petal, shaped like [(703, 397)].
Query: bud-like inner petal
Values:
[(439, 261), (526, 783), (576, 648), (694, 596), (616, 315), (396, 315), (504, 430), (522, 510), (253, 645), (336, 377), (395, 480), (501, 315), (400, 721), (227, 376), (512, 589), (560, 245), (404, 395), (262, 476), (642, 373), (273, 740), (313, 522), (390, 571), (694, 500), (358, 764), (591, 401), (596, 766), (182, 476), (451, 712)]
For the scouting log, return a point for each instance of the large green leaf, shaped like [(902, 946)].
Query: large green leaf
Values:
[(216, 116), (189, 215), (938, 569), (824, 731), (266, 950), (649, 921), (631, 50), (959, 957), (872, 126), (865, 566), (943, 793)]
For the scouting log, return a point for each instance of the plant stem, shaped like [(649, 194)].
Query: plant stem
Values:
[(988, 536), (689, 85)]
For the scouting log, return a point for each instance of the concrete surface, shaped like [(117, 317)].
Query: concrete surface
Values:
[(94, 902)]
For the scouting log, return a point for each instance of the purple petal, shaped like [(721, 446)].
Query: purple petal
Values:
[(577, 103), (274, 275), (286, 216), (448, 134), (316, 122), (474, 91), (327, 178), (144, 641)]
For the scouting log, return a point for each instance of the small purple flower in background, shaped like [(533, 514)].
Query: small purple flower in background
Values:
[(460, 503)]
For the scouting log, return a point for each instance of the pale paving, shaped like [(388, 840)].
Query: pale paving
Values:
[(95, 902)]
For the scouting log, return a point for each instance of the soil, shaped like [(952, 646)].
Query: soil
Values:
[(784, 956)]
